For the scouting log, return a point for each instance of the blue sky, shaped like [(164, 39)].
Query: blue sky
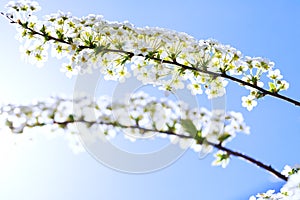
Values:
[(48, 169)]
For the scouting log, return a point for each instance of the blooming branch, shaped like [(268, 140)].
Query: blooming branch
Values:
[(141, 116), (157, 56), (161, 57)]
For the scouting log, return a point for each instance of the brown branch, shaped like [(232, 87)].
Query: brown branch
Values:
[(263, 91), (250, 159), (268, 168)]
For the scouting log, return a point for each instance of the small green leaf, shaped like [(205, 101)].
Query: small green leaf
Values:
[(181, 71), (70, 40), (223, 156), (259, 95), (235, 57), (198, 137), (60, 35), (62, 125), (254, 79), (9, 124), (272, 87), (189, 126), (25, 25), (125, 59), (99, 49), (43, 29), (224, 137), (46, 37), (70, 118)]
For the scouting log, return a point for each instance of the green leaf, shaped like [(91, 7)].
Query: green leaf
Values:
[(254, 80), (272, 87), (223, 156), (189, 126), (60, 35), (198, 137), (62, 125), (90, 38), (181, 71), (224, 137), (99, 49), (43, 29), (259, 95), (70, 118), (151, 54), (235, 57), (25, 25), (9, 124), (70, 40), (125, 59), (46, 37)]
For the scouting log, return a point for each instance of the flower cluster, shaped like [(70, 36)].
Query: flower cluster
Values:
[(141, 116), (164, 58), (21, 10), (290, 191)]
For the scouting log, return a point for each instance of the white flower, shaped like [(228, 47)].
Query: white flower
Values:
[(185, 143), (123, 74), (196, 147), (275, 75), (222, 158), (293, 185), (74, 143), (266, 195), (177, 83), (283, 85), (195, 88), (249, 102), (69, 70), (286, 171)]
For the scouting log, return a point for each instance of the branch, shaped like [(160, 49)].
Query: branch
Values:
[(250, 159), (185, 67), (219, 146), (264, 92)]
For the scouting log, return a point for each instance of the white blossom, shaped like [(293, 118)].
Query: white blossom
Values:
[(157, 56)]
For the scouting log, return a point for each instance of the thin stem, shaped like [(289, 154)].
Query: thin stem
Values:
[(250, 159), (264, 91), (268, 168)]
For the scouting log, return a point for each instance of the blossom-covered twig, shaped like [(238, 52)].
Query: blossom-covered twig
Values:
[(141, 115), (157, 56)]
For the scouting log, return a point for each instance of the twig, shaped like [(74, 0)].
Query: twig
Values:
[(268, 168), (263, 91)]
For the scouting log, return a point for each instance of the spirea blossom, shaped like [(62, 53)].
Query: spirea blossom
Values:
[(289, 191), (139, 117), (165, 58)]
